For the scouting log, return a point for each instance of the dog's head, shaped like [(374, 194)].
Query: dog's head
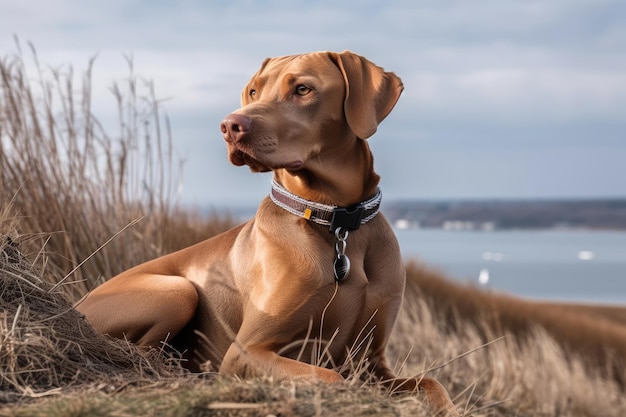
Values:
[(296, 109)]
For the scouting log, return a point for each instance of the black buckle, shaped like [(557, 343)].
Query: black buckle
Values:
[(347, 217)]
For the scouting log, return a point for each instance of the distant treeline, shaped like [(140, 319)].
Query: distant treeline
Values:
[(510, 214)]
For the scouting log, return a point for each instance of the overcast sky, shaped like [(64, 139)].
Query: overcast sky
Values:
[(503, 98)]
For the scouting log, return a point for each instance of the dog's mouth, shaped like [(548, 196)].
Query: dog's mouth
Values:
[(237, 158), (241, 156)]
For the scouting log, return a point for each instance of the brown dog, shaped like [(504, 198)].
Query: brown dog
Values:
[(315, 278)]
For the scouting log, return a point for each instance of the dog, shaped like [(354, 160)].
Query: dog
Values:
[(315, 279)]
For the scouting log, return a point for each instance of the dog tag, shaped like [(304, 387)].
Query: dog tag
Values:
[(342, 267)]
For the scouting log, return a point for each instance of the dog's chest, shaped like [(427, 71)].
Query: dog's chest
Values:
[(344, 323)]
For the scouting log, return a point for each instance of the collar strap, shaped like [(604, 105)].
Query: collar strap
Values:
[(327, 215)]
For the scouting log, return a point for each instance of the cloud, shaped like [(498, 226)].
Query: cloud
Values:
[(519, 96), (499, 73)]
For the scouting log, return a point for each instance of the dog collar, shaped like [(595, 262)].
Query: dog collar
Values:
[(335, 217), (339, 219)]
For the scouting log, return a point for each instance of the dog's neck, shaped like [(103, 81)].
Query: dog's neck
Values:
[(339, 179)]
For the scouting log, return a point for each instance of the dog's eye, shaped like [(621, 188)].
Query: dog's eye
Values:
[(303, 90), (252, 93)]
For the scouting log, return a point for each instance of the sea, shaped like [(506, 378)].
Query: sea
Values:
[(560, 265)]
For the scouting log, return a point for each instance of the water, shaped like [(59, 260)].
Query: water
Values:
[(553, 264)]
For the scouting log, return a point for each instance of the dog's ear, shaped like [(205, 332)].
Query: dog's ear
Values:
[(371, 93)]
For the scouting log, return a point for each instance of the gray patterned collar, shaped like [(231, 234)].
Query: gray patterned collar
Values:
[(327, 215)]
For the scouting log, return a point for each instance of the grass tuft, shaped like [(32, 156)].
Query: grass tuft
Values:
[(46, 346)]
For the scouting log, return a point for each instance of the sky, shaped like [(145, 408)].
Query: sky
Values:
[(503, 98)]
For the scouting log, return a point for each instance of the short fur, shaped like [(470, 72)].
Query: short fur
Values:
[(260, 293)]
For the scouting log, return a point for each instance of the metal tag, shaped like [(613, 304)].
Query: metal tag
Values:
[(342, 267)]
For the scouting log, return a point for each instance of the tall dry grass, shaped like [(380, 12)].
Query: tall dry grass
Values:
[(69, 186), (526, 369), (75, 184), (593, 334)]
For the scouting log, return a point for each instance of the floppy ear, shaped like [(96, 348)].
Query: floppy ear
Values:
[(371, 93)]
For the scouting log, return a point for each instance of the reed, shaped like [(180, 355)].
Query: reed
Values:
[(75, 184)]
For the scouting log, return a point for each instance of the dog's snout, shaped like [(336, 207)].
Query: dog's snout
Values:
[(235, 126)]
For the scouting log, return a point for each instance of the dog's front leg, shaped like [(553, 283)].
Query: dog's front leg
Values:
[(436, 395), (259, 360)]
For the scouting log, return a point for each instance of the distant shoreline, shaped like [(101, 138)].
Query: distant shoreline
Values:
[(605, 214), (486, 215)]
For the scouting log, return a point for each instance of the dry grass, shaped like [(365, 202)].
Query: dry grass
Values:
[(46, 346), (595, 335), (75, 185), (47, 350), (530, 372), (69, 187)]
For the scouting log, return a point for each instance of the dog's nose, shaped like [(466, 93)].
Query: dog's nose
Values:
[(235, 126)]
